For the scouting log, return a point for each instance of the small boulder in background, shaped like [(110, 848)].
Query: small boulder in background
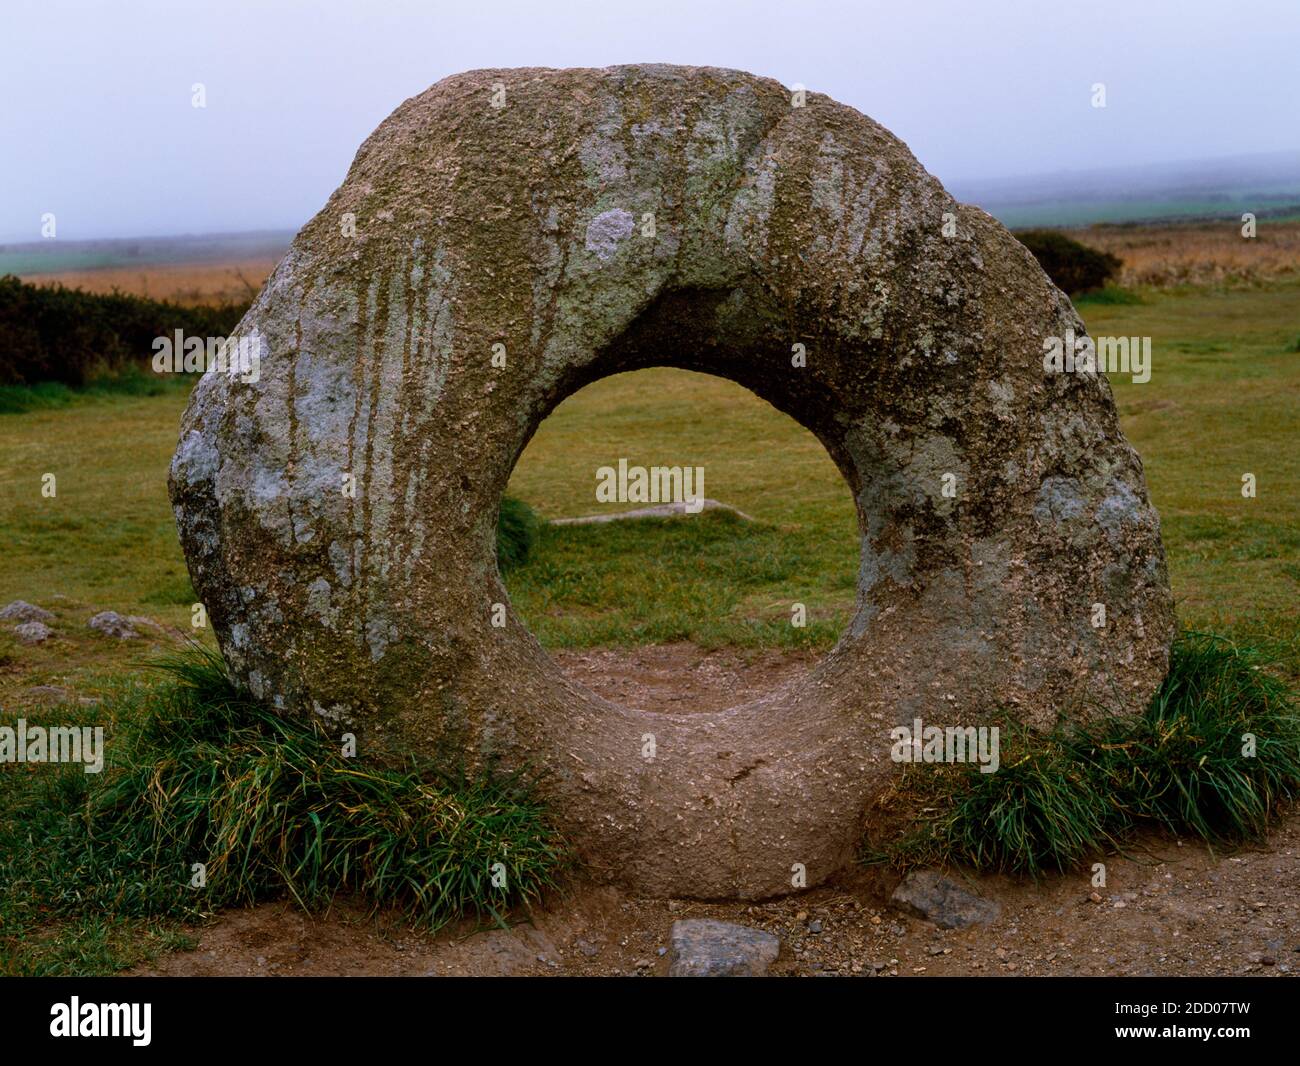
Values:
[(22, 611), (33, 632), (112, 624)]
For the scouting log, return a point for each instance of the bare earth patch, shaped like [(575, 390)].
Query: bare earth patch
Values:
[(1168, 908), (681, 676)]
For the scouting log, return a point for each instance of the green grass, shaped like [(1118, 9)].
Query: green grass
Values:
[(1181, 767), (1221, 402), (131, 380), (713, 578), (273, 809), (1109, 295)]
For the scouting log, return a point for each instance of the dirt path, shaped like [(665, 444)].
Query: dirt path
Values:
[(1173, 910), (1169, 907)]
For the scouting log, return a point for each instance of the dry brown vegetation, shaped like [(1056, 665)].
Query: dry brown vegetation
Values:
[(1159, 256), (183, 283), (1199, 253)]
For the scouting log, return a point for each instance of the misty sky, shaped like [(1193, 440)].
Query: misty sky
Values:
[(96, 122)]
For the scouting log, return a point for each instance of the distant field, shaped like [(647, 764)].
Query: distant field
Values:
[(184, 283), (1265, 184), (60, 256), (1071, 212), (1201, 253), (188, 270)]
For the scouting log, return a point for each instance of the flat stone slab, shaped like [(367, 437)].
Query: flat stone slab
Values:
[(662, 510), (928, 894), (48, 693), (703, 947)]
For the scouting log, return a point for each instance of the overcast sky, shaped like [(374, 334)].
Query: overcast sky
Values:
[(96, 122)]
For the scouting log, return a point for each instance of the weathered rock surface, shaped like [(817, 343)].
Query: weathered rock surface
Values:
[(112, 624), (22, 611), (338, 512), (929, 895), (703, 947), (33, 632)]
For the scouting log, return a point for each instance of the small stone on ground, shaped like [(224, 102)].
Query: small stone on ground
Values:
[(928, 894), (112, 624), (703, 947)]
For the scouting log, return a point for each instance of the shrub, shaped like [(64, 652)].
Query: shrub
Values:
[(55, 334), (1074, 267), (517, 526)]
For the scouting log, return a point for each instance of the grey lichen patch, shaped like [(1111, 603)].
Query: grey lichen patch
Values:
[(1060, 499), (1120, 510), (318, 602), (607, 231)]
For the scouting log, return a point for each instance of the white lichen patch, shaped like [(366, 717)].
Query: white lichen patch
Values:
[(607, 231)]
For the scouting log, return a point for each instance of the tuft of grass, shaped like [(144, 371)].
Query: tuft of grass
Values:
[(1215, 755), (271, 805), (517, 526), (1042, 809), (1218, 750), (270, 808)]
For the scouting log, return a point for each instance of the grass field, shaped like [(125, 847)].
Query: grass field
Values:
[(1222, 401)]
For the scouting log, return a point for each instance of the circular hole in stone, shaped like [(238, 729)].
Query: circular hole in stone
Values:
[(683, 612)]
